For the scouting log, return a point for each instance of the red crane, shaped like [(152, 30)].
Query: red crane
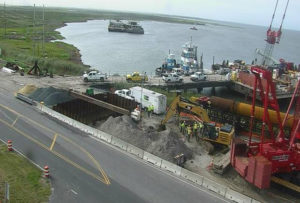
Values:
[(272, 37), (258, 160)]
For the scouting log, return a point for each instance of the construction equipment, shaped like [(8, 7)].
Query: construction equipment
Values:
[(272, 37), (213, 132), (36, 69), (257, 161)]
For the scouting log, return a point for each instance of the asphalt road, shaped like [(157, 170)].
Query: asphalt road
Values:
[(83, 169)]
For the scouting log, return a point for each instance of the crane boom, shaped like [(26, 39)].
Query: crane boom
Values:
[(273, 37)]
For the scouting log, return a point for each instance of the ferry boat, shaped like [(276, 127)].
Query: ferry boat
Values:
[(129, 27)]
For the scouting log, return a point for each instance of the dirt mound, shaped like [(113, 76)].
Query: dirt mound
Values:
[(50, 96), (124, 128), (165, 144)]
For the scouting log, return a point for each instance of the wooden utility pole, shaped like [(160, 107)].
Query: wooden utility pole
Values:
[(4, 18), (43, 43), (33, 31)]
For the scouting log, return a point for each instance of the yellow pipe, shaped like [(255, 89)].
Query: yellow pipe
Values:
[(245, 110)]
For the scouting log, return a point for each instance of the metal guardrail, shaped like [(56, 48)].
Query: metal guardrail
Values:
[(25, 99), (222, 190)]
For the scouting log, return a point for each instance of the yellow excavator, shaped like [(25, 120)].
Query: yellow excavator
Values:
[(213, 132)]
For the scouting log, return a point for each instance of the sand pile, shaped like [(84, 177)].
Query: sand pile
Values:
[(27, 89), (50, 96), (165, 144), (124, 128)]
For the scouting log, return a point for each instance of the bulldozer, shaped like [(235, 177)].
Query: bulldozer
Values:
[(213, 132)]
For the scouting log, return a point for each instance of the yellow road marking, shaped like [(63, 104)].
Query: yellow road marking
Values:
[(106, 179), (15, 121), (65, 138), (54, 152), (53, 142)]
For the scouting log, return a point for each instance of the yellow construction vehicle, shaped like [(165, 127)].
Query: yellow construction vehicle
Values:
[(213, 132), (136, 77)]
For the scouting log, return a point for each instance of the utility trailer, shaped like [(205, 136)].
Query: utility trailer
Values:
[(147, 97)]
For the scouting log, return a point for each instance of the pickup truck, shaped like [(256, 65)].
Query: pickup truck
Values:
[(94, 76), (136, 77), (198, 76), (124, 93), (172, 77)]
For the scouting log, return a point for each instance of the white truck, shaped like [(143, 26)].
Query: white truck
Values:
[(94, 76), (198, 76), (124, 93), (147, 97), (172, 77)]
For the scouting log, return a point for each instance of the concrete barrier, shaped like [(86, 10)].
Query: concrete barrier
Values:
[(25, 99), (79, 125), (119, 143), (152, 159), (198, 179), (104, 136), (135, 151), (89, 129), (238, 197), (213, 186), (253, 200), (171, 167)]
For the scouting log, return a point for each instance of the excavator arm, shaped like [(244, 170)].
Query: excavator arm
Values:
[(197, 110), (172, 110), (183, 105)]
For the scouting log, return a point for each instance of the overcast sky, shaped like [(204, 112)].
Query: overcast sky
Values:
[(257, 12)]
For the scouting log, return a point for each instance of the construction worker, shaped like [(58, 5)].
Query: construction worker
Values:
[(208, 104), (195, 129), (152, 109), (189, 132), (201, 127), (149, 111), (182, 127)]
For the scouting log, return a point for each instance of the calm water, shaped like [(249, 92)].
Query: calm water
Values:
[(123, 52)]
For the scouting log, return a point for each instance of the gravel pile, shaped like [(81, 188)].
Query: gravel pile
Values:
[(165, 144), (50, 96)]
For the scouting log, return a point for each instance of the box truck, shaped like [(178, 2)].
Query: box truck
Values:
[(147, 97)]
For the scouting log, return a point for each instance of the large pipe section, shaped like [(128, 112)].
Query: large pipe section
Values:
[(244, 109)]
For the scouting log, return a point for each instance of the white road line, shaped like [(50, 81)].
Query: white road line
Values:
[(74, 192), (31, 161)]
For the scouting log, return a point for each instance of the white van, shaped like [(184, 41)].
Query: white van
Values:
[(147, 97)]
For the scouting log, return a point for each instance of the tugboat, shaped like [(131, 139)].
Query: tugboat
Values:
[(167, 66), (129, 27), (189, 61)]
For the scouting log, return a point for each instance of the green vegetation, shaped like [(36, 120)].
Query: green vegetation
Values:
[(22, 42), (25, 180)]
